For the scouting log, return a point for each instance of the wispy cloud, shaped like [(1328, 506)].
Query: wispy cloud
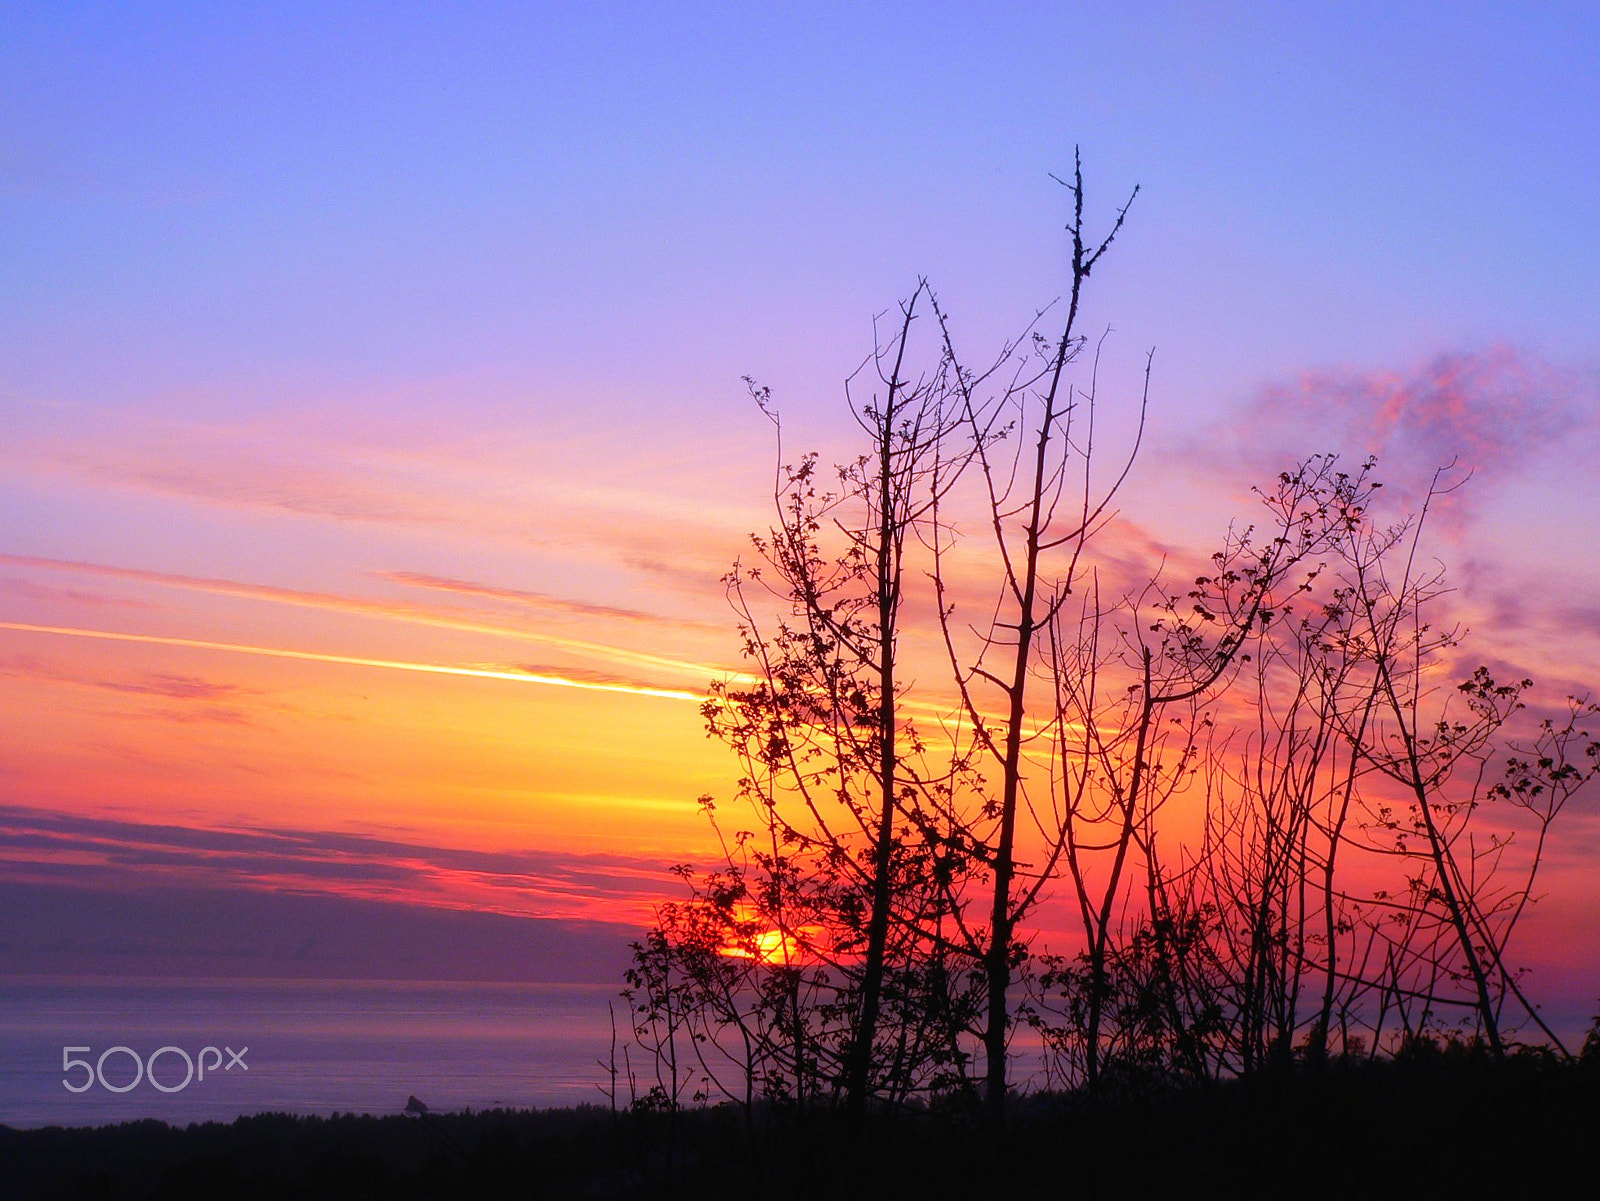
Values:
[(514, 675), (535, 600), (50, 847), (576, 501), (1553, 622), (236, 465), (29, 590), (1491, 412), (178, 687), (188, 698), (363, 607)]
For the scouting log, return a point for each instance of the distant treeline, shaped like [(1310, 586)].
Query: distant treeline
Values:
[(1436, 1120)]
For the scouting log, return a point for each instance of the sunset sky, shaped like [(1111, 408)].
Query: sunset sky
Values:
[(372, 432)]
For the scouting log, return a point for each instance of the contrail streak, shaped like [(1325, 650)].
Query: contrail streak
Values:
[(438, 669), (362, 608)]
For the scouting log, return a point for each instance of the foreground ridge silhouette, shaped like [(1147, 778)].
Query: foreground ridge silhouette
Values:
[(1439, 1119)]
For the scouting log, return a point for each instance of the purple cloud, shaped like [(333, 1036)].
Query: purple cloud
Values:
[(1490, 412), (38, 844)]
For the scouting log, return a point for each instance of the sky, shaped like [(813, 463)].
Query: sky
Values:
[(372, 428)]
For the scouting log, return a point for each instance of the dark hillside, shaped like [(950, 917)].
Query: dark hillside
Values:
[(1440, 1123)]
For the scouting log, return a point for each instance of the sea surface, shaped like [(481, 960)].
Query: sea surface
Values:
[(308, 1047)]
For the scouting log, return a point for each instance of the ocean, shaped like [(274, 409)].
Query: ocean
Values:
[(299, 1046)]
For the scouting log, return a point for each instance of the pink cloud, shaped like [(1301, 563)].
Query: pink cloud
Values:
[(29, 590), (188, 699), (1491, 412), (569, 501), (535, 600)]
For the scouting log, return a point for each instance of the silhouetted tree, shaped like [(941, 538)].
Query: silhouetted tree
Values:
[(1042, 510), (1137, 685), (1437, 745), (867, 933), (832, 875)]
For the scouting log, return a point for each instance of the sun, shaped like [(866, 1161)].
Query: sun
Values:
[(775, 947)]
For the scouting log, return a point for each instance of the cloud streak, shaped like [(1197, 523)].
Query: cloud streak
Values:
[(539, 600), (193, 699), (61, 848), (28, 590), (176, 687), (478, 672), (360, 607), (534, 496)]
